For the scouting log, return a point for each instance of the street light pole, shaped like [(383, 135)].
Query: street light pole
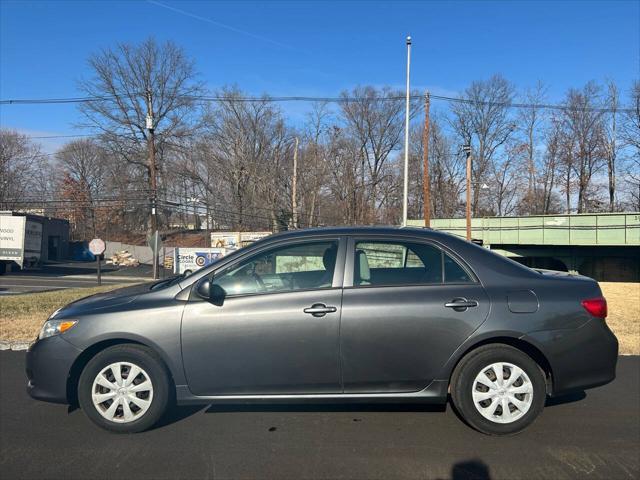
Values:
[(467, 150), (406, 141)]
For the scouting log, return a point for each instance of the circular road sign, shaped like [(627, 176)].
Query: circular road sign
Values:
[(97, 246)]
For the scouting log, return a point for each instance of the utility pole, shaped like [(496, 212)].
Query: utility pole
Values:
[(426, 180), (294, 186), (467, 150), (151, 146), (406, 141)]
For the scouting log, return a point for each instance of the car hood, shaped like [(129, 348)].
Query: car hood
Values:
[(101, 301)]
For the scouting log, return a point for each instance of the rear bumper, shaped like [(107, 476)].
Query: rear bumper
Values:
[(580, 358), (48, 364)]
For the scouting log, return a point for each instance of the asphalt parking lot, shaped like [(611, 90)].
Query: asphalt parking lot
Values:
[(59, 276), (596, 436)]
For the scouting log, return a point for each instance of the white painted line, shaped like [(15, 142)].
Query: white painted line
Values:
[(33, 286), (112, 277), (76, 279)]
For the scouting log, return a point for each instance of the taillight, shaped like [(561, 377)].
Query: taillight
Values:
[(596, 306)]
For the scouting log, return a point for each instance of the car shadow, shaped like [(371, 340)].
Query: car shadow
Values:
[(324, 407), (178, 413)]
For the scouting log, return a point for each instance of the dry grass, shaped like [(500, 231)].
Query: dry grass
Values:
[(21, 316), (623, 300)]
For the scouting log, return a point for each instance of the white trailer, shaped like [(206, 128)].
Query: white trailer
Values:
[(188, 260), (20, 241)]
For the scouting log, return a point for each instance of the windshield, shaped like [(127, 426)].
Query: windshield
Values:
[(169, 282)]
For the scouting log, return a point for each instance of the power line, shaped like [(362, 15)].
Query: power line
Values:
[(115, 202), (328, 99), (35, 101), (61, 136)]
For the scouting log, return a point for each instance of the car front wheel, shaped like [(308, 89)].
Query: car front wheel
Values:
[(124, 388), (498, 389)]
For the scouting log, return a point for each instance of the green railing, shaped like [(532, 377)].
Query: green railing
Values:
[(577, 230)]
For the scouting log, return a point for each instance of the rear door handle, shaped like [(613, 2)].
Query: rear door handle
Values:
[(319, 310), (461, 304)]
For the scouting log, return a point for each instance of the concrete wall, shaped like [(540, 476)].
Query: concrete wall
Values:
[(141, 253)]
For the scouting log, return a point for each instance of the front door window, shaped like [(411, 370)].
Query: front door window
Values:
[(303, 266)]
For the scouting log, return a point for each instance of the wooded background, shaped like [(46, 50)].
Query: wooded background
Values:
[(225, 159)]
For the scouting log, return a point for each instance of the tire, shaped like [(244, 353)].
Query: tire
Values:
[(141, 401), (524, 399)]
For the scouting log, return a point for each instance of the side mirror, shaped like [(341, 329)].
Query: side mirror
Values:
[(212, 292)]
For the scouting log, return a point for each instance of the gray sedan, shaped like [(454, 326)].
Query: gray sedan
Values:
[(332, 315)]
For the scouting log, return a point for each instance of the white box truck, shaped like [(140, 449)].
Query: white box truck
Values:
[(188, 260), (20, 241)]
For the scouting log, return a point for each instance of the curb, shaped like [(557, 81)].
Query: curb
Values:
[(15, 346)]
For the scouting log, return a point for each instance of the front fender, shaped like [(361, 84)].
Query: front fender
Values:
[(158, 329)]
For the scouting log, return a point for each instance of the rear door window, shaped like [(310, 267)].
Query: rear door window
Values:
[(396, 263)]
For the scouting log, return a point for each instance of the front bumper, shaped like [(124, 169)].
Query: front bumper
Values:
[(48, 364), (580, 358)]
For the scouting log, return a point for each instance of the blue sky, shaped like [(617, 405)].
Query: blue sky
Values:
[(317, 48)]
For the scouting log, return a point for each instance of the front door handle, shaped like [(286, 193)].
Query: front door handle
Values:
[(319, 309), (461, 304)]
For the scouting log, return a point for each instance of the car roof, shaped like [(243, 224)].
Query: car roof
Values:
[(392, 231)]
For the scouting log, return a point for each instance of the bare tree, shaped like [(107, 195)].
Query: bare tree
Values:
[(529, 121), (548, 200), (22, 166), (131, 82), (83, 164), (250, 148), (630, 134), (447, 172), (313, 161), (505, 179), (584, 134), (482, 119), (375, 118), (343, 203)]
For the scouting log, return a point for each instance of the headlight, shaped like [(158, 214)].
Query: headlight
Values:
[(55, 327)]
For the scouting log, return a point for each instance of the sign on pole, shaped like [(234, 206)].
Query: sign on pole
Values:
[(97, 247)]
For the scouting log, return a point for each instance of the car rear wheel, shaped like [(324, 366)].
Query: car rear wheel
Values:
[(498, 389), (124, 388)]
